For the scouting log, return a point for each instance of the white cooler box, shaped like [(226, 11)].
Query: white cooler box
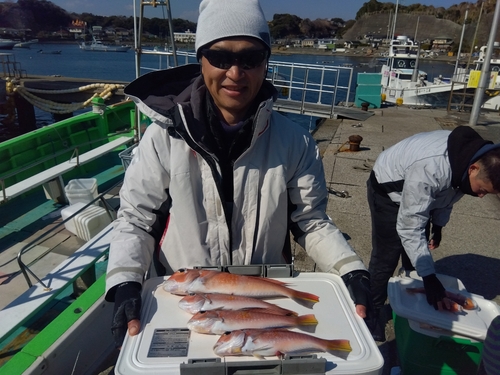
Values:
[(165, 345), (87, 223)]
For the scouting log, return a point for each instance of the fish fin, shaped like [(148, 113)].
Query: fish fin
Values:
[(259, 356), (339, 348), (305, 299), (274, 281)]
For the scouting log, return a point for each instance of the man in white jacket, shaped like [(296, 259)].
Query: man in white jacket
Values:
[(219, 178), (411, 192)]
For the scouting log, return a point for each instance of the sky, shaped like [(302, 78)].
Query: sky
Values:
[(188, 9)]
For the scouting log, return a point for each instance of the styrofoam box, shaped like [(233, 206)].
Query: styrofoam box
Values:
[(471, 324), (87, 223), (81, 190), (335, 313)]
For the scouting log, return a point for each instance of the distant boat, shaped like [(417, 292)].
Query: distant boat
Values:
[(98, 46), (7, 43), (26, 44), (57, 52)]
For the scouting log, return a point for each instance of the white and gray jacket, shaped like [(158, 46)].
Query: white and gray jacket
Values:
[(421, 165), (172, 190)]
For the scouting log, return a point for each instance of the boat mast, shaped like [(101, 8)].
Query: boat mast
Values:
[(414, 76), (485, 70), (394, 21), (461, 40)]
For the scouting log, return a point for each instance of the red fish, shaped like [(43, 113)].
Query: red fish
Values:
[(187, 281), (278, 342), (220, 321), (210, 301), (458, 301)]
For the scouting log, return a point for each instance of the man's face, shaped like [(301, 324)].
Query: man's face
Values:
[(478, 185), (235, 84)]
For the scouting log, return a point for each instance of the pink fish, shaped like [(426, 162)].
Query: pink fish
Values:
[(278, 342), (187, 281), (220, 321), (210, 301)]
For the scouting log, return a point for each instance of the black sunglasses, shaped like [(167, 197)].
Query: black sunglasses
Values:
[(246, 60)]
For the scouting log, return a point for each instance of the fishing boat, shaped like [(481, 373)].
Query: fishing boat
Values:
[(98, 45), (492, 97), (7, 43), (404, 83)]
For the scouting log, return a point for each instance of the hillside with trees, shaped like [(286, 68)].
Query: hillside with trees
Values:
[(42, 17)]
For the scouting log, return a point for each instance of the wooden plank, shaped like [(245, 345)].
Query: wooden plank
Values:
[(57, 170)]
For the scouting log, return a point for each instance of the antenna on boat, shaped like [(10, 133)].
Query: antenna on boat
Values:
[(485, 70)]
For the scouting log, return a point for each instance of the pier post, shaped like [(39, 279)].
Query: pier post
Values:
[(25, 114)]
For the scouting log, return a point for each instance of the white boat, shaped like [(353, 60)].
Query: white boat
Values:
[(97, 45), (404, 83), (492, 95), (7, 43), (25, 44)]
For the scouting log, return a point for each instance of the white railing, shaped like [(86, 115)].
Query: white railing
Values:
[(318, 87)]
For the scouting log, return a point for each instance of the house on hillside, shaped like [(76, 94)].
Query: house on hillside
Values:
[(308, 43), (442, 44)]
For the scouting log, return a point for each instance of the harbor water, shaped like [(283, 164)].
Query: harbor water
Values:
[(68, 60)]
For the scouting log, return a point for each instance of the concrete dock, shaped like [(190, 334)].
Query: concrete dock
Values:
[(469, 248)]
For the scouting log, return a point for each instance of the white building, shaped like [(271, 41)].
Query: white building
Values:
[(185, 37)]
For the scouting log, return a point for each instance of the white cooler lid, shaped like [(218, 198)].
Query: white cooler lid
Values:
[(335, 313), (471, 323)]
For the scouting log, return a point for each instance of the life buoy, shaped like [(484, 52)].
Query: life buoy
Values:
[(401, 63)]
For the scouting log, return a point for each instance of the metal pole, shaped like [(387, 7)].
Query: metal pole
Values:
[(171, 28), (461, 40), (485, 71)]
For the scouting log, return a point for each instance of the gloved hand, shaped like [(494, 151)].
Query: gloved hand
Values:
[(127, 308), (358, 285), (435, 237), (434, 290)]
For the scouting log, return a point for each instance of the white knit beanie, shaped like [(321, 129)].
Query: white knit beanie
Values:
[(220, 19)]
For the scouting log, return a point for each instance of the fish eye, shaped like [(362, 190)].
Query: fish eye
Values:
[(202, 311), (226, 333), (191, 294), (182, 270)]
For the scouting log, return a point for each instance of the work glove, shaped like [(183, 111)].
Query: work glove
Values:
[(435, 237), (434, 290), (358, 285), (127, 307)]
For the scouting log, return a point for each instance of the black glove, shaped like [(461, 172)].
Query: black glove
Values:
[(436, 234), (127, 307), (434, 290), (358, 285)]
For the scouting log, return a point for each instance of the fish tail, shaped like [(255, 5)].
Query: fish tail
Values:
[(307, 320), (305, 299), (339, 348)]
